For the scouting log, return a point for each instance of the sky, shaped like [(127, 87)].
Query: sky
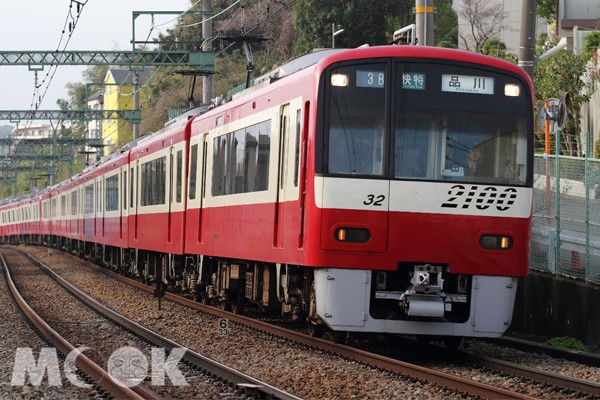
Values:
[(27, 25)]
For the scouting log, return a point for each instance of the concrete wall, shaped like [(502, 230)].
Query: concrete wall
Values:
[(552, 306), (510, 31)]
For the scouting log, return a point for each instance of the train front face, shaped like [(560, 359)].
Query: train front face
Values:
[(424, 185)]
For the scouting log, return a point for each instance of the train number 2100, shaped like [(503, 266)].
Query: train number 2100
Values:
[(482, 197)]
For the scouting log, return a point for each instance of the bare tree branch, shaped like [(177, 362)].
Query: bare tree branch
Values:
[(485, 19)]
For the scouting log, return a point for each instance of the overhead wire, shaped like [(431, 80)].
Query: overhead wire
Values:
[(216, 37), (150, 82), (71, 22)]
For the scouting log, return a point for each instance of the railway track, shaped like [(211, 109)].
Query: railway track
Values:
[(99, 375), (243, 385), (536, 374), (456, 383)]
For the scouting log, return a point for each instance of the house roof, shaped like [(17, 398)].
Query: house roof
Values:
[(96, 96), (121, 76)]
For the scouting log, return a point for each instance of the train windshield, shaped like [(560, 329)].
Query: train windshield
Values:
[(427, 121)]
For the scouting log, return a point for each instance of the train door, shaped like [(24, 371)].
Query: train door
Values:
[(288, 187), (123, 205), (203, 173), (171, 176), (135, 196), (283, 134)]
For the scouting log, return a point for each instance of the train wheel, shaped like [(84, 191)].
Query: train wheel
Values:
[(204, 298), (452, 342), (226, 305), (237, 304), (315, 330), (338, 336)]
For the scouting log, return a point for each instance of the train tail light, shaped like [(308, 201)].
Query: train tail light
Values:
[(496, 242), (352, 235)]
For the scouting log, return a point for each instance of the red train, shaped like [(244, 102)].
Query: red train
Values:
[(381, 189)]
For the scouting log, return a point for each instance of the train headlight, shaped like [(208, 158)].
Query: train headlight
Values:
[(339, 80), (512, 90), (496, 242), (352, 235)]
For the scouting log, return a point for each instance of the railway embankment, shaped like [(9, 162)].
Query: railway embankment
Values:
[(549, 305)]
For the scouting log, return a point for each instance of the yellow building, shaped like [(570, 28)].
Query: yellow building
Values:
[(118, 95)]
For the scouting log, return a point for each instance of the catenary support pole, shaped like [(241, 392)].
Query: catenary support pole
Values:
[(207, 33)]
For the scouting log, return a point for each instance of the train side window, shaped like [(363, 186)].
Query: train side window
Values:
[(89, 199), (99, 196), (112, 193), (297, 149), (74, 202), (153, 180), (193, 171), (124, 189), (131, 187), (63, 205), (241, 160), (178, 180)]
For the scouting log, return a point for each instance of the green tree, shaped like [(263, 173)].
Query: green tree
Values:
[(558, 74), (547, 9), (497, 48), (446, 25), (364, 21), (592, 42)]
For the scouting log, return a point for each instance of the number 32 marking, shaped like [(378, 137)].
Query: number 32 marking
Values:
[(373, 200)]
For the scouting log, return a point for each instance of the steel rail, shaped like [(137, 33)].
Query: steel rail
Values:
[(99, 375), (244, 382), (580, 357), (449, 381), (536, 374)]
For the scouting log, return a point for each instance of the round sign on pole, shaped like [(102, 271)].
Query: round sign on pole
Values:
[(563, 105), (550, 114)]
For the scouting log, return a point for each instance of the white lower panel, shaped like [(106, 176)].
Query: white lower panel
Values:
[(343, 303), (343, 297)]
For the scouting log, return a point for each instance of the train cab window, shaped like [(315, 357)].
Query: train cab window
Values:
[(357, 119), (454, 123)]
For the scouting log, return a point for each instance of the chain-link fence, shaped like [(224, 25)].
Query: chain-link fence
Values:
[(565, 234)]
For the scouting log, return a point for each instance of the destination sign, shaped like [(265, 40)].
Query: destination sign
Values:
[(467, 84)]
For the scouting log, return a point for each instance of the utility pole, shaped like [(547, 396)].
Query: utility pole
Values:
[(424, 22), (527, 38), (207, 33), (136, 103)]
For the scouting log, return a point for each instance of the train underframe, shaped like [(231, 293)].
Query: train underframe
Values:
[(417, 298)]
